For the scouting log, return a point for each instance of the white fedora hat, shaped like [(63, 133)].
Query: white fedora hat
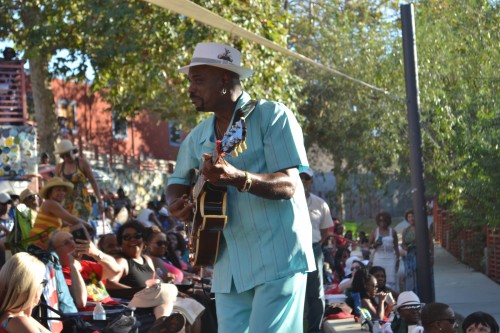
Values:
[(407, 299), (218, 55)]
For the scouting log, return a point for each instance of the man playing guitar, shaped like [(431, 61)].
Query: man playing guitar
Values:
[(260, 273)]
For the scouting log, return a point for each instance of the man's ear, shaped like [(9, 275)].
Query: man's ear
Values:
[(226, 79)]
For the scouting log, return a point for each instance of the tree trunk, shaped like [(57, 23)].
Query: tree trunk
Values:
[(43, 99)]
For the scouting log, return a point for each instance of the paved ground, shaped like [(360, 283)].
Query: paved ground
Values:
[(464, 289)]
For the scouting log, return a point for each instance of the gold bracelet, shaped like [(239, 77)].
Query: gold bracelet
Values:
[(248, 183)]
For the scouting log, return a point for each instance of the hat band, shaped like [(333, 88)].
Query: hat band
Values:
[(212, 61)]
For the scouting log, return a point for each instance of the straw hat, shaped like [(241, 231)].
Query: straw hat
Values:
[(218, 55), (65, 146), (161, 293), (26, 194), (407, 298), (53, 182)]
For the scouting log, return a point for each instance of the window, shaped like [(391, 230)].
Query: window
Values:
[(66, 116), (120, 127), (175, 132)]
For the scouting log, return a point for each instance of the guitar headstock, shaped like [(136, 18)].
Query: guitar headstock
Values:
[(234, 139)]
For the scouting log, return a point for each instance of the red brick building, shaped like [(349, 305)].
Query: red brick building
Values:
[(94, 126)]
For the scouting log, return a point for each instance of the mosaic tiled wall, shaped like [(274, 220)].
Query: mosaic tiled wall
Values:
[(17, 151), (139, 185)]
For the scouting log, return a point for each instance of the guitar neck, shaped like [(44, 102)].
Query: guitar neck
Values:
[(200, 182)]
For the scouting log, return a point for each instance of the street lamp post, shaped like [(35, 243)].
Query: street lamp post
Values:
[(424, 271)]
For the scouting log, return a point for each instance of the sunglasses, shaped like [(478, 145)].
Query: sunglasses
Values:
[(68, 154), (44, 283), (305, 177), (411, 307), (128, 237), (161, 243)]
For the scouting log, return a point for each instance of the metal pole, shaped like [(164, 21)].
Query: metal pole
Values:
[(424, 272)]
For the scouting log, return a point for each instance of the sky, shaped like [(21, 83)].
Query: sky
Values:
[(61, 53)]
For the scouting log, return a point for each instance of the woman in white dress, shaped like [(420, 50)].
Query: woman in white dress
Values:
[(384, 241)]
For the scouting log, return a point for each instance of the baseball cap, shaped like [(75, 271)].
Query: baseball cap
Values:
[(5, 198), (163, 211), (309, 172)]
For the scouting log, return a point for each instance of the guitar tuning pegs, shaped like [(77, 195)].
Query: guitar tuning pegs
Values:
[(243, 145), (239, 148), (235, 153)]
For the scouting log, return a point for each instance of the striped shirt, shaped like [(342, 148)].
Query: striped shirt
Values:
[(44, 225), (264, 239)]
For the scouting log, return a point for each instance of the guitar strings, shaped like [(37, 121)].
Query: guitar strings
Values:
[(218, 132)]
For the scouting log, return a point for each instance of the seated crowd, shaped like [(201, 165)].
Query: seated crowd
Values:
[(142, 266), (62, 265), (370, 301)]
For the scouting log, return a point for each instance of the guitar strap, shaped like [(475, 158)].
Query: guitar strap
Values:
[(241, 113), (245, 110)]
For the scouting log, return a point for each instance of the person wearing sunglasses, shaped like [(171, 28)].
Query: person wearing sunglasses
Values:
[(321, 221), (77, 170), (352, 265), (156, 247), (438, 318), (365, 285), (407, 313), (136, 272), (21, 286)]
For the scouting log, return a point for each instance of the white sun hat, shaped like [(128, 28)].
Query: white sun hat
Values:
[(408, 299), (218, 55), (64, 146), (348, 264)]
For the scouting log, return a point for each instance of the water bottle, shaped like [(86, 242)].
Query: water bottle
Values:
[(388, 329), (99, 313), (376, 327)]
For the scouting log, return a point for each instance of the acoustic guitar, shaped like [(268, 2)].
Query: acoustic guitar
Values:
[(210, 200)]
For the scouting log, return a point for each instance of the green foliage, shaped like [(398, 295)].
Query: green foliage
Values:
[(458, 48), (135, 49), (362, 129)]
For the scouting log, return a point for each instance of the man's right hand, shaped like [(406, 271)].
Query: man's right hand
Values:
[(182, 208)]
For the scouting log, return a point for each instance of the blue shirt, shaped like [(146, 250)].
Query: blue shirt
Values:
[(264, 239)]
